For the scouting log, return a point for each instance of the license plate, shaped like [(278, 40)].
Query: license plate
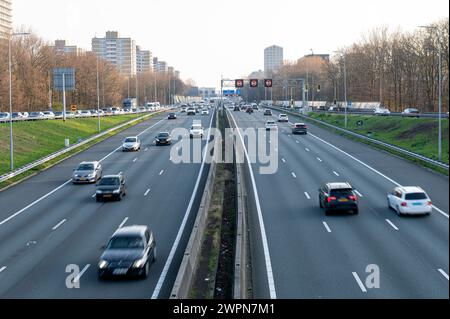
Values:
[(82, 179), (417, 204), (343, 200), (120, 271), (107, 196)]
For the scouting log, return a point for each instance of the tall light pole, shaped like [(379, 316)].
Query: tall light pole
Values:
[(11, 139), (98, 98), (439, 92), (345, 86)]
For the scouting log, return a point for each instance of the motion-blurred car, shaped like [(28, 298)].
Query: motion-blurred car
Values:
[(338, 197), (410, 112), (111, 187), (172, 116), (196, 131), (283, 118), (250, 110), (130, 252), (267, 113), (191, 111), (163, 138), (410, 201), (237, 109), (271, 126), (131, 144), (49, 115), (205, 112), (382, 112), (87, 172), (300, 128)]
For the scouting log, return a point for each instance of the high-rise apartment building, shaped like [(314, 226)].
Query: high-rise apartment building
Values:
[(144, 61), (5, 18), (121, 52), (273, 59), (61, 47)]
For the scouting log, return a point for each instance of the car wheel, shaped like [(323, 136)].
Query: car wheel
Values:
[(98, 199), (327, 212), (154, 255), (320, 203), (146, 271), (397, 210), (356, 211), (120, 197)]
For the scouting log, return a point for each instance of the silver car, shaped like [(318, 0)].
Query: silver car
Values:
[(131, 144), (87, 172)]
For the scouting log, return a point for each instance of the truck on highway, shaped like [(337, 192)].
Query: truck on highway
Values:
[(130, 103)]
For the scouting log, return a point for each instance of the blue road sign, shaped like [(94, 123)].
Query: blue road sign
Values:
[(68, 83)]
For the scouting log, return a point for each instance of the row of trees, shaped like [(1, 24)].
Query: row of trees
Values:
[(398, 69), (33, 61)]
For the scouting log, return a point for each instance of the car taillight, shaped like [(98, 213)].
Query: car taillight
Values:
[(404, 204), (353, 198), (331, 199), (430, 203)]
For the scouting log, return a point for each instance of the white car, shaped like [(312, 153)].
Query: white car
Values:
[(271, 125), (49, 115), (410, 200), (191, 111), (4, 116), (196, 131), (283, 118), (131, 144), (205, 112), (382, 111)]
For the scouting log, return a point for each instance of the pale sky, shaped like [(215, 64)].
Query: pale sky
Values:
[(205, 39)]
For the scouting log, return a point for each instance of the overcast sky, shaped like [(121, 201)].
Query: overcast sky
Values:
[(206, 38)]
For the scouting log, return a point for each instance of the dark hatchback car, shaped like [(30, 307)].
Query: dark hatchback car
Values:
[(163, 138), (300, 128), (237, 109), (111, 187), (130, 252), (334, 197), (267, 113), (172, 116)]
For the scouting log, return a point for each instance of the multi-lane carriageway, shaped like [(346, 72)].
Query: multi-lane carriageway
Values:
[(46, 223)]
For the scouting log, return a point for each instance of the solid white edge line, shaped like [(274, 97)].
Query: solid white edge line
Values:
[(175, 245), (78, 277), (371, 168), (307, 195), (392, 224), (443, 273), (360, 284), (59, 224), (269, 270), (61, 186), (327, 227)]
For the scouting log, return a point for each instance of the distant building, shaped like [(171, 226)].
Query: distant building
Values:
[(177, 74), (120, 52), (325, 57), (161, 67), (207, 93), (5, 18), (61, 48), (273, 59), (144, 61)]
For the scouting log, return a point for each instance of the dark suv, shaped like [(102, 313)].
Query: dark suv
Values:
[(130, 252), (299, 128), (111, 187), (338, 197), (267, 113)]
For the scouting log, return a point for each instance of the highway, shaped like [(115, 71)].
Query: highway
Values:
[(46, 223), (298, 252)]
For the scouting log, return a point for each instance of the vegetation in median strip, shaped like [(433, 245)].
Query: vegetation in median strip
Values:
[(417, 135)]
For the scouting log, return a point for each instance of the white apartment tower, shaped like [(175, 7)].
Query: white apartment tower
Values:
[(144, 60), (5, 18), (273, 59), (121, 52)]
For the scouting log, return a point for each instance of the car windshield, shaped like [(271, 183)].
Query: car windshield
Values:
[(163, 135), (111, 181), (126, 243), (416, 196), (131, 140), (341, 192), (85, 167)]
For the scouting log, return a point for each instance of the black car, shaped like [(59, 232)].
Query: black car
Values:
[(338, 197), (299, 128), (111, 187), (163, 138), (250, 111), (267, 113), (130, 252), (172, 116), (237, 109)]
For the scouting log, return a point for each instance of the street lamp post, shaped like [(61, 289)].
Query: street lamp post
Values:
[(11, 139), (345, 87), (439, 93), (98, 98)]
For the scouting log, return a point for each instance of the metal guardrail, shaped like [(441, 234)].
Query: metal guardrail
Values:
[(371, 140), (392, 114), (50, 157)]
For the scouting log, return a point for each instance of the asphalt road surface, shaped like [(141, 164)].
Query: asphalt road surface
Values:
[(298, 252), (46, 223)]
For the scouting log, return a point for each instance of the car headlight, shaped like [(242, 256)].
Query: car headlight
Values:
[(103, 264), (139, 263), (99, 192), (117, 191), (91, 175)]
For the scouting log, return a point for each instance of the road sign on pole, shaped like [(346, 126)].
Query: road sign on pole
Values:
[(63, 80)]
